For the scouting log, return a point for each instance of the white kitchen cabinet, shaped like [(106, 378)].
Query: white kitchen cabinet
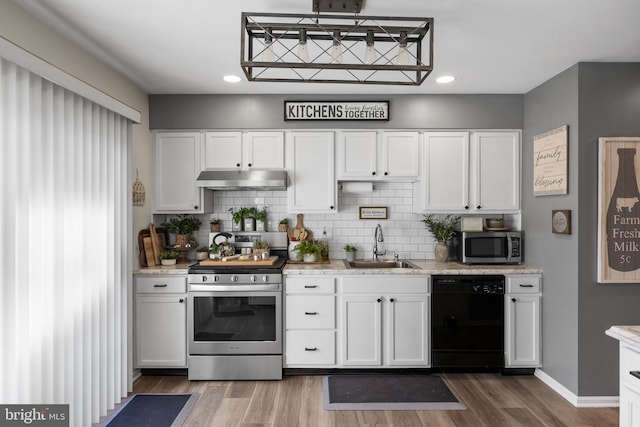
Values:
[(469, 172), (522, 321), (374, 156), (313, 186), (382, 328), (629, 386), (243, 150), (310, 321), (177, 165), (160, 321)]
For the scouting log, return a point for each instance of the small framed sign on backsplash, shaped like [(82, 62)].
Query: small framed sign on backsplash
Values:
[(373, 212)]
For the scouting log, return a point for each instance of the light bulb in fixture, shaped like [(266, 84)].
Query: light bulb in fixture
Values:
[(403, 53), (370, 52), (445, 79), (303, 50), (336, 49), (267, 54), (229, 78)]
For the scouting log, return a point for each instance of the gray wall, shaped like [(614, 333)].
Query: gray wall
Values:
[(609, 106), (553, 104), (267, 112), (594, 99)]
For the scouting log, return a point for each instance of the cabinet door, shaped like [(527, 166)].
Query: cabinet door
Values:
[(177, 165), (263, 150), (629, 405), (222, 150), (357, 155), (161, 331), (445, 174), (522, 335), (400, 154), (497, 165), (313, 188), (407, 330), (361, 330)]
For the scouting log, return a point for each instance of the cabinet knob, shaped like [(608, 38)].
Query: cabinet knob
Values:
[(513, 300), (196, 207), (249, 164), (391, 300), (181, 300), (379, 300), (466, 206), (373, 173), (332, 207), (237, 165), (479, 207), (386, 173)]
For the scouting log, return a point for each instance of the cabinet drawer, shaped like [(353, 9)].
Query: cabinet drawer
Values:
[(385, 284), (523, 284), (161, 284), (310, 312), (310, 348), (310, 285), (629, 361)]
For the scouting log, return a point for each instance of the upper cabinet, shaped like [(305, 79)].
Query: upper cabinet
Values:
[(177, 165), (469, 172), (312, 172), (243, 150), (373, 156)]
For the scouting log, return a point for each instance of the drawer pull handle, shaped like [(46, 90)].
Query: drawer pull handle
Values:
[(635, 373), (163, 285), (526, 286), (310, 286), (310, 313), (311, 349)]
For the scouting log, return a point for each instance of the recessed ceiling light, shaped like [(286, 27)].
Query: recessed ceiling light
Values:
[(231, 78), (445, 79)]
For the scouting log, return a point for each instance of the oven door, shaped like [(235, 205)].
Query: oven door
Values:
[(234, 322)]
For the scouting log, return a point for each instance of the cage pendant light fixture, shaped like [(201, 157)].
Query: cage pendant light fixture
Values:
[(336, 48)]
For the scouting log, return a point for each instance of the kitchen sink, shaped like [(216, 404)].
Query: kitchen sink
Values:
[(379, 264)]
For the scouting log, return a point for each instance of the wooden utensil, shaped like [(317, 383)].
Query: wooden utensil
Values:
[(299, 232), (154, 244), (148, 251), (232, 257)]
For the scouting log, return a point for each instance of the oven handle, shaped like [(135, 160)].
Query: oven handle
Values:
[(234, 288)]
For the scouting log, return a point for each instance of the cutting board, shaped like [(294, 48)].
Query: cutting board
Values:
[(154, 243), (148, 251), (236, 262)]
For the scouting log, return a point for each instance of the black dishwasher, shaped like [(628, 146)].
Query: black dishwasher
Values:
[(467, 322)]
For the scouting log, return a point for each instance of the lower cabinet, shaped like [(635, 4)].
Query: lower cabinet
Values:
[(629, 386), (160, 314), (382, 328), (522, 321)]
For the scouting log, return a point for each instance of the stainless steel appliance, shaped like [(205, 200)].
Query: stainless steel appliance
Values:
[(467, 322), (489, 247), (234, 322)]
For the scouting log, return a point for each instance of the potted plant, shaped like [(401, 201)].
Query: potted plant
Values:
[(182, 226), (261, 219), (202, 252), (443, 230), (309, 250), (214, 252), (168, 257), (237, 218), (214, 225), (261, 247), (283, 225), (350, 252)]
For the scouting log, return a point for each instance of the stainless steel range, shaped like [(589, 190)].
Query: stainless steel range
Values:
[(234, 311)]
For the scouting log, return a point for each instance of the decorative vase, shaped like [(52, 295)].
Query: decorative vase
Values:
[(215, 228), (168, 261), (249, 224), (201, 255), (350, 256), (260, 225), (293, 254), (441, 251), (283, 227), (309, 258), (182, 240)]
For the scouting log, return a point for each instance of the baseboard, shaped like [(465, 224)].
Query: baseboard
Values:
[(578, 401)]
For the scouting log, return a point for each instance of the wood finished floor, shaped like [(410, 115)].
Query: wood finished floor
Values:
[(491, 400)]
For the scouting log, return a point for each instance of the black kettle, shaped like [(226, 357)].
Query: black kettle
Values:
[(225, 248)]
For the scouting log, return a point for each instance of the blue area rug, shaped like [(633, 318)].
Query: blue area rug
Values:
[(154, 410)]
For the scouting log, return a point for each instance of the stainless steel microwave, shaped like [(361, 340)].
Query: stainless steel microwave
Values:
[(489, 247)]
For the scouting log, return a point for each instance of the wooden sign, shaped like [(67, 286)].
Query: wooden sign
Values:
[(373, 212), (550, 162), (618, 210), (343, 110)]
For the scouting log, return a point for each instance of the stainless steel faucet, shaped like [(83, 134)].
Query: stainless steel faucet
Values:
[(378, 237)]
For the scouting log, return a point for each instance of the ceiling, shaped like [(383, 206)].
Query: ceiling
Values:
[(491, 46)]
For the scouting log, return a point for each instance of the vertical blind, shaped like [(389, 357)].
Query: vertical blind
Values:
[(64, 228)]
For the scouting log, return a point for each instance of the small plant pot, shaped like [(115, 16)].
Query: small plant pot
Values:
[(283, 227), (182, 240), (309, 258), (214, 256), (260, 226), (168, 261), (350, 256), (201, 255), (441, 251), (249, 224), (215, 228)]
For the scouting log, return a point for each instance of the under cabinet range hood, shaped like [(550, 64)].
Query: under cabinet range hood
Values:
[(243, 180)]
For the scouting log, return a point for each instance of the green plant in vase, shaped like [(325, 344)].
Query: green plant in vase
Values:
[(182, 226), (350, 252), (309, 250), (443, 230)]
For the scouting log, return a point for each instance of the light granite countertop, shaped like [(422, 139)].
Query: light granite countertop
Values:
[(336, 266), (627, 334)]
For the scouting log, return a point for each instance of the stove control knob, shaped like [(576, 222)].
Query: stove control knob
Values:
[(216, 278), (234, 278), (254, 278), (204, 278), (265, 278)]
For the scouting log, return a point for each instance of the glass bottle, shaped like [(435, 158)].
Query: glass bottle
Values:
[(623, 216), (324, 245)]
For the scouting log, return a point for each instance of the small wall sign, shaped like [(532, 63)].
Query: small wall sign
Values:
[(561, 221), (373, 212), (550, 162), (342, 110)]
